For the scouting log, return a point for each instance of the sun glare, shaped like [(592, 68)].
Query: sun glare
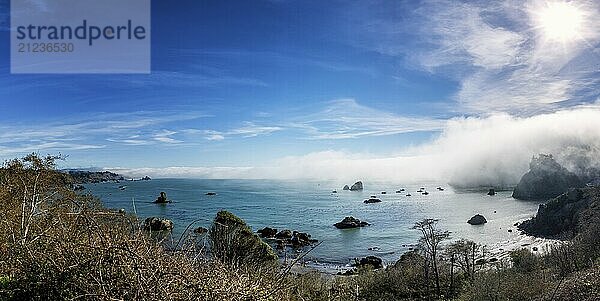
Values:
[(560, 21)]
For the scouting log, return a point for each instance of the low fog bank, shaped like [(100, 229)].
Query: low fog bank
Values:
[(470, 152)]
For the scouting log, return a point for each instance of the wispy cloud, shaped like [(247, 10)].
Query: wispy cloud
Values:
[(496, 51), (165, 137), (346, 118), (247, 130), (46, 146), (277, 58), (93, 132)]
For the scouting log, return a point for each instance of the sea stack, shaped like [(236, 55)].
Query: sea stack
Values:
[(477, 219), (357, 186), (350, 222), (162, 199), (346, 187)]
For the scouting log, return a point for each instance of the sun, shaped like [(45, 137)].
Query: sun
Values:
[(560, 21)]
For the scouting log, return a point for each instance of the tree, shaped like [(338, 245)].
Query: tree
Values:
[(430, 244), (464, 253)]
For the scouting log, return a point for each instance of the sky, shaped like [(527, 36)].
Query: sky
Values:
[(326, 89)]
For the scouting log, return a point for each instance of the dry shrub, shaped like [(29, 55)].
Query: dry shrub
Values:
[(59, 245)]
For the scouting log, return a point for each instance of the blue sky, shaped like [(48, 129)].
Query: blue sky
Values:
[(247, 83)]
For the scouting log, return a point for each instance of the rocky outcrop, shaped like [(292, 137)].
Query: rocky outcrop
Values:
[(477, 219), (284, 234), (267, 232), (346, 187), (286, 237), (492, 191), (357, 186), (350, 222), (373, 261), (372, 200), (301, 239), (566, 215), (162, 198), (146, 178), (158, 224), (545, 179)]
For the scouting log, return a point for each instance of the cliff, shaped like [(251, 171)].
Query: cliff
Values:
[(566, 215), (545, 179)]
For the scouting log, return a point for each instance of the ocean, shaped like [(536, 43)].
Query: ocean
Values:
[(310, 206)]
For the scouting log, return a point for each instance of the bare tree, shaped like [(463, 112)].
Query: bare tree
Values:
[(430, 244), (464, 253)]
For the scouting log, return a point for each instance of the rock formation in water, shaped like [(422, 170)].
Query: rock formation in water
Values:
[(267, 232), (346, 187), (545, 179), (477, 219), (350, 222), (357, 186), (373, 261), (372, 200), (566, 215), (162, 199)]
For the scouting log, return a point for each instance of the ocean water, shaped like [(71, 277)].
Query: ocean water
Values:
[(310, 206)]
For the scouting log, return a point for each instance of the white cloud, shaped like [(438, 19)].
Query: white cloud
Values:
[(346, 118), (215, 137), (46, 146), (496, 51), (252, 130), (514, 70), (85, 132), (469, 152)]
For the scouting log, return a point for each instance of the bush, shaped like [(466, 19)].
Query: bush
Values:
[(233, 242), (524, 261)]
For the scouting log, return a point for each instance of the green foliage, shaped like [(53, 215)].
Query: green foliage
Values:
[(233, 242), (524, 261), (506, 284)]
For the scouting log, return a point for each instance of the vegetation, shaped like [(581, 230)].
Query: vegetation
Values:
[(56, 244)]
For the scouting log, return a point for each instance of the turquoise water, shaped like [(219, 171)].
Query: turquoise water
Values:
[(311, 207)]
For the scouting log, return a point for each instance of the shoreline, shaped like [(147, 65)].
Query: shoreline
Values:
[(499, 250)]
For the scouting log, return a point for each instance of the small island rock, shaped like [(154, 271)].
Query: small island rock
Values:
[(346, 187), (372, 200), (162, 199), (357, 186), (477, 219), (350, 222)]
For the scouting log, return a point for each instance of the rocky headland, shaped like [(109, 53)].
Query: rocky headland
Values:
[(545, 179), (86, 177), (566, 215)]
